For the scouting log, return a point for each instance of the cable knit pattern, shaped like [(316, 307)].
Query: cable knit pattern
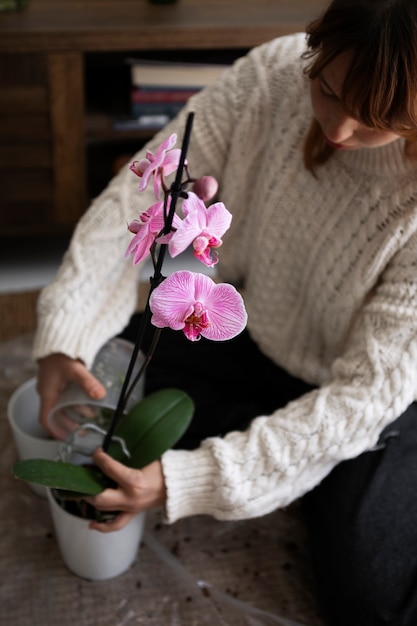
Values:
[(328, 270)]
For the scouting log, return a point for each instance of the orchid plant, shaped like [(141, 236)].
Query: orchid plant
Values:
[(189, 302), (186, 301)]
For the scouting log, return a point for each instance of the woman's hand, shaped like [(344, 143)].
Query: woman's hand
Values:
[(137, 491), (54, 373)]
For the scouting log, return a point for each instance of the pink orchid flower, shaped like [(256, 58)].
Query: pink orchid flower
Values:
[(146, 229), (198, 306), (162, 163), (203, 227)]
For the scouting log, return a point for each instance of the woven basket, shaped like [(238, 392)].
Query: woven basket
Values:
[(17, 314)]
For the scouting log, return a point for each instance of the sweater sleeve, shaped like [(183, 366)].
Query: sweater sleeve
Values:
[(95, 288), (284, 455)]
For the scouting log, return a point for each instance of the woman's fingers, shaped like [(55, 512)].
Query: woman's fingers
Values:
[(114, 500), (89, 383), (49, 394), (54, 373), (118, 472), (137, 490)]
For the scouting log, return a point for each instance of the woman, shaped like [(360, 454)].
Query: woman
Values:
[(313, 143)]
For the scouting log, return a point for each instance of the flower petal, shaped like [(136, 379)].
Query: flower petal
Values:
[(192, 225), (228, 315), (147, 228), (172, 301), (140, 246), (205, 255), (171, 161), (194, 204), (146, 167), (185, 234), (218, 219), (167, 144)]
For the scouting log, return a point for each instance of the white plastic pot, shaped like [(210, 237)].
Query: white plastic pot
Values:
[(31, 439), (89, 553), (86, 552)]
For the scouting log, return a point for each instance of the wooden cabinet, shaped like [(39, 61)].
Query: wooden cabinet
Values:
[(61, 67), (42, 164)]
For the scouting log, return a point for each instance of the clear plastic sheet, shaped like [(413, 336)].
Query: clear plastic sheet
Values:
[(192, 573), (200, 600)]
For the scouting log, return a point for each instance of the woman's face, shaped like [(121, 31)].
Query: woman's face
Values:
[(341, 131)]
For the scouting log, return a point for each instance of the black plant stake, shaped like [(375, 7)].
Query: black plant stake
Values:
[(175, 192)]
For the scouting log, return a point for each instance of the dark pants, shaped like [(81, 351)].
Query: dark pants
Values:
[(363, 524), (362, 518), (231, 382)]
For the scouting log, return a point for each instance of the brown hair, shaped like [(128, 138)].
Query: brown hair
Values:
[(380, 87)]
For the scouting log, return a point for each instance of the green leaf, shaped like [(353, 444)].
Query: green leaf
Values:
[(86, 481), (153, 426)]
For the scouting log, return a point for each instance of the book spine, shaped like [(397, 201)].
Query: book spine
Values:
[(161, 95), (184, 77), (144, 122), (137, 109)]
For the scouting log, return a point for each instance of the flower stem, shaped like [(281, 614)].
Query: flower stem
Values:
[(156, 279), (145, 364)]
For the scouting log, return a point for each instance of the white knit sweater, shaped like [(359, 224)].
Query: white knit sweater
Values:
[(329, 271)]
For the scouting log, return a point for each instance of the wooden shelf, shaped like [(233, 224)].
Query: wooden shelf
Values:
[(122, 24), (61, 63)]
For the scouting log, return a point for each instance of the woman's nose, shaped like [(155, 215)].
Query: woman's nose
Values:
[(341, 129)]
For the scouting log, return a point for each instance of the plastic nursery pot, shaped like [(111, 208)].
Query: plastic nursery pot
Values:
[(74, 407), (89, 553), (31, 439)]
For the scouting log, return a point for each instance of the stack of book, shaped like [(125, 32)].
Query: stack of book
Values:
[(160, 89)]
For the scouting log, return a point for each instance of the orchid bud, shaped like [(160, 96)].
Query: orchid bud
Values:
[(205, 188), (134, 226)]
